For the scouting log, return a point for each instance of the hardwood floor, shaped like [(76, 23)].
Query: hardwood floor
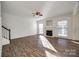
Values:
[(40, 46)]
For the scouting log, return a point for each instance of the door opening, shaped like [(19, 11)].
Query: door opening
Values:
[(40, 26)]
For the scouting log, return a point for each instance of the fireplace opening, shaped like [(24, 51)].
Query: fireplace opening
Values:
[(49, 32)]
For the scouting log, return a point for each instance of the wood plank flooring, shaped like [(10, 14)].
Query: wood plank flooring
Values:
[(40, 46)]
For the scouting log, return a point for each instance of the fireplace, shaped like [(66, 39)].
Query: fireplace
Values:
[(49, 32)]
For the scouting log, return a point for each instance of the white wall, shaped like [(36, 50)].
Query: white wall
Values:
[(0, 32), (76, 26), (19, 26)]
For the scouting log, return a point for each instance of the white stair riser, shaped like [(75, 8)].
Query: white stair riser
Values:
[(5, 41)]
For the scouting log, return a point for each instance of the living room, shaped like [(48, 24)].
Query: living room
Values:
[(39, 28)]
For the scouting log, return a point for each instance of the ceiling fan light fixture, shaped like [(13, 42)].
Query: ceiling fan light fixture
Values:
[(37, 14)]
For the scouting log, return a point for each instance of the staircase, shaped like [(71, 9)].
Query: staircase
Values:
[(6, 35)]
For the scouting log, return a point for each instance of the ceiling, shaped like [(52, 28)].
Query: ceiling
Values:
[(26, 8)]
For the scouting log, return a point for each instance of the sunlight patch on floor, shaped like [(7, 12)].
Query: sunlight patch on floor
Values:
[(47, 44), (48, 54), (75, 42)]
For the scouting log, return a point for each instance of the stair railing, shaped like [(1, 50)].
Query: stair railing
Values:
[(6, 33)]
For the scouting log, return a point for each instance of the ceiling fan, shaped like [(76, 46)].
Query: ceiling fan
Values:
[(37, 13)]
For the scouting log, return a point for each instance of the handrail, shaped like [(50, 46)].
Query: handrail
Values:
[(8, 31), (5, 28)]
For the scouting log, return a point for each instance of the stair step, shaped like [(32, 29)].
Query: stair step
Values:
[(5, 41)]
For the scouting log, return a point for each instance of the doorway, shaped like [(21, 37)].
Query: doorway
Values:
[(40, 28)]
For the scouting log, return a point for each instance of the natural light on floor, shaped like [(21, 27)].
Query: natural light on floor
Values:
[(48, 45), (75, 42)]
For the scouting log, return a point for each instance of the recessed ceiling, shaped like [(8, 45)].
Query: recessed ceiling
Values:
[(26, 8)]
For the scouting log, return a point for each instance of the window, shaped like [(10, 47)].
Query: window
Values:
[(62, 28)]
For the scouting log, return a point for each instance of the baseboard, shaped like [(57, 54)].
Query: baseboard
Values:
[(23, 36)]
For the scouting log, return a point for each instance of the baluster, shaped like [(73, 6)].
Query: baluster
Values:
[(9, 34), (6, 33), (2, 32)]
